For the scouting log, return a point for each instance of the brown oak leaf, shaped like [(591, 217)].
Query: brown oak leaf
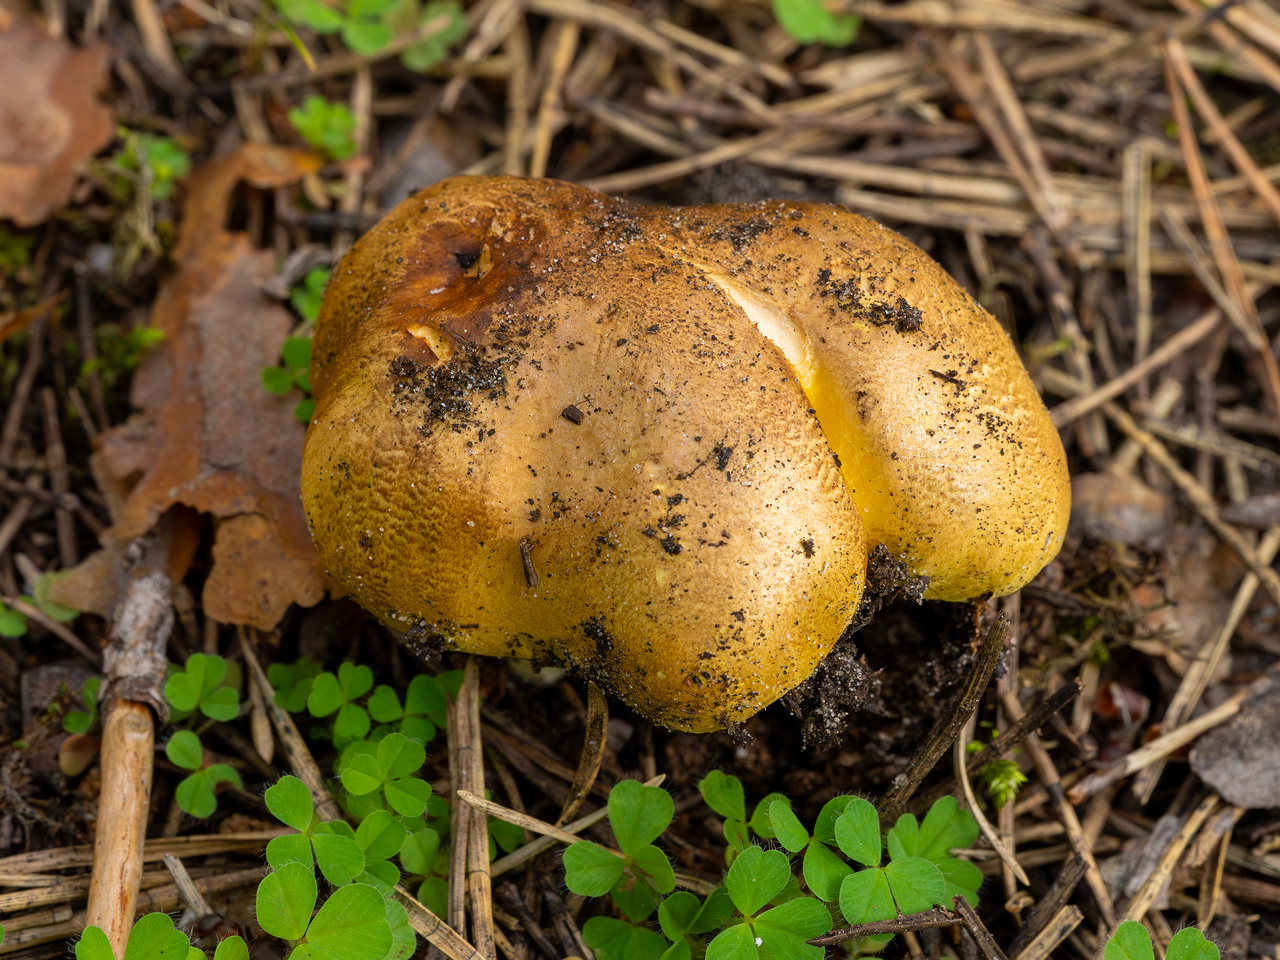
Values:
[(209, 435)]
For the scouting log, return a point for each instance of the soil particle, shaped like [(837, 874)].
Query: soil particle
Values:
[(842, 684), (596, 632), (881, 310), (887, 580), (445, 391)]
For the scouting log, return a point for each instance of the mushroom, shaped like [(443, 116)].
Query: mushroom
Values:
[(655, 444)]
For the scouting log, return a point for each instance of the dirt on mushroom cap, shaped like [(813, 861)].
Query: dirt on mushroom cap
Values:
[(694, 536)]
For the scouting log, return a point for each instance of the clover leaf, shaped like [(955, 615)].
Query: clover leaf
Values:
[(293, 682), (350, 925), (153, 937), (756, 878), (331, 846), (618, 940), (336, 694), (723, 794), (200, 686), (422, 700), (196, 794), (391, 771)]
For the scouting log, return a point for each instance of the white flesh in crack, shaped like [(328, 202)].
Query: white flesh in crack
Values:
[(836, 416)]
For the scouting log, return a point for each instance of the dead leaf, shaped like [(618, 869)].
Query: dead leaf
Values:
[(1241, 760), (51, 120), (1120, 508), (208, 435)]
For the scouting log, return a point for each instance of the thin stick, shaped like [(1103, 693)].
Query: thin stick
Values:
[(1011, 107), (1036, 718), (56, 455), (162, 899), (478, 883), (1052, 783), (1136, 213), (949, 725), (128, 746), (517, 50), (434, 930), (533, 848), (958, 757), (59, 630), (186, 887), (1160, 747), (459, 739), (523, 820), (1240, 158), (81, 855), (1181, 235), (570, 936), (1054, 932), (512, 900), (134, 667), (674, 169), (593, 744), (1064, 413), (966, 87), (1146, 895), (929, 919), (552, 832), (295, 748), (1199, 498), (978, 930), (1219, 239), (563, 38), (630, 27), (1049, 906)]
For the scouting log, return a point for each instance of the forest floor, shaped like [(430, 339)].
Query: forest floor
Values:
[(175, 184)]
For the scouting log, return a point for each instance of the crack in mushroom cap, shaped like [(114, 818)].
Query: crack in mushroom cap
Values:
[(655, 444)]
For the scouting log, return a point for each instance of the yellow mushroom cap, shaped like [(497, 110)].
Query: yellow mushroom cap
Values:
[(655, 444)]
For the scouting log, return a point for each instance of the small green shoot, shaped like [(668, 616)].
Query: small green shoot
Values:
[(80, 721), (367, 27), (195, 794), (119, 353), (429, 51), (326, 126), (809, 21), (154, 165), (1002, 780)]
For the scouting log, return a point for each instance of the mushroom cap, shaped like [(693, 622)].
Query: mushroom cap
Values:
[(655, 444)]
